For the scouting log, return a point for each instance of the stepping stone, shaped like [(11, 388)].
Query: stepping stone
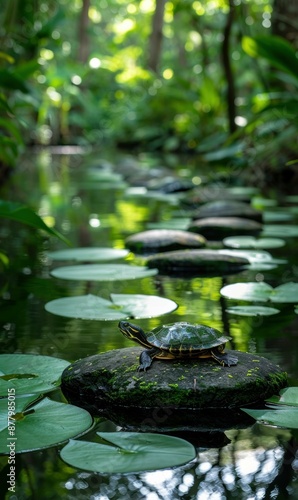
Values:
[(189, 394)]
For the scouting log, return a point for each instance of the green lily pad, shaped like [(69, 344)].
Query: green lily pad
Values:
[(258, 259), (120, 307), (44, 424), (259, 202), (287, 396), (261, 292), (102, 272), (252, 310), (252, 242), (89, 254), (29, 373), (279, 231), (277, 216), (282, 418), (175, 223), (284, 412), (128, 452), (287, 292)]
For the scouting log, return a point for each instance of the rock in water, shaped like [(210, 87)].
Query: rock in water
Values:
[(189, 393), (217, 228), (197, 263), (162, 240)]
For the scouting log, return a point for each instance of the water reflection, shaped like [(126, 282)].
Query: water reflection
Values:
[(249, 464), (242, 469)]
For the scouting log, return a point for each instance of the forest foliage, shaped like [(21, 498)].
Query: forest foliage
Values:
[(210, 77)]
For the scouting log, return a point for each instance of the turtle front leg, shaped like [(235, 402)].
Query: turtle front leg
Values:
[(224, 358), (146, 358)]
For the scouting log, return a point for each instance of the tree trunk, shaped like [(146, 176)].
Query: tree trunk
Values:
[(228, 69), (83, 51), (284, 20), (155, 41)]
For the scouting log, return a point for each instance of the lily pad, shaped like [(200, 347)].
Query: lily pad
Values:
[(46, 423), (277, 216), (284, 412), (102, 272), (89, 254), (180, 223), (128, 452), (287, 396), (279, 231), (287, 292), (261, 292), (252, 310), (282, 418), (29, 373), (258, 259), (124, 306), (252, 242)]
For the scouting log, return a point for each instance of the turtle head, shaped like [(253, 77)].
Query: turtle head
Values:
[(133, 332)]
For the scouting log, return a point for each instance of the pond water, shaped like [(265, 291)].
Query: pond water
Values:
[(253, 462)]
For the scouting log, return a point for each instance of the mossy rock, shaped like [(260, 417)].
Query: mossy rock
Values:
[(227, 208), (162, 240), (171, 393), (196, 263), (218, 228)]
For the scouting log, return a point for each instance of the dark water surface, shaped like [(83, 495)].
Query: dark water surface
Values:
[(257, 462)]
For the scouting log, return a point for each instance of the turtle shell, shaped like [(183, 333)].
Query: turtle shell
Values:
[(184, 337)]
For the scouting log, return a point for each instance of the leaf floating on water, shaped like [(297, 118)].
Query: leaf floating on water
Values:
[(128, 452), (124, 306), (252, 310), (247, 291), (287, 396), (284, 412), (252, 242), (261, 292), (30, 373), (288, 292), (280, 231), (102, 272), (46, 423), (89, 254)]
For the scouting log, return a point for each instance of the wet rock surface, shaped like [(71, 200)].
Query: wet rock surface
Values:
[(196, 263), (187, 393)]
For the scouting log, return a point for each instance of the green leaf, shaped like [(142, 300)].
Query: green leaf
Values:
[(128, 452), (97, 308), (89, 254), (44, 424), (287, 396), (281, 417), (276, 50), (280, 231), (259, 292), (102, 272), (252, 310), (21, 213), (258, 259), (29, 373), (10, 80), (175, 223), (252, 242), (287, 292)]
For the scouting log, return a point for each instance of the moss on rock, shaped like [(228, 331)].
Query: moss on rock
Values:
[(111, 379)]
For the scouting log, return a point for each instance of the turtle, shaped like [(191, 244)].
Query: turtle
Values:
[(179, 340)]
